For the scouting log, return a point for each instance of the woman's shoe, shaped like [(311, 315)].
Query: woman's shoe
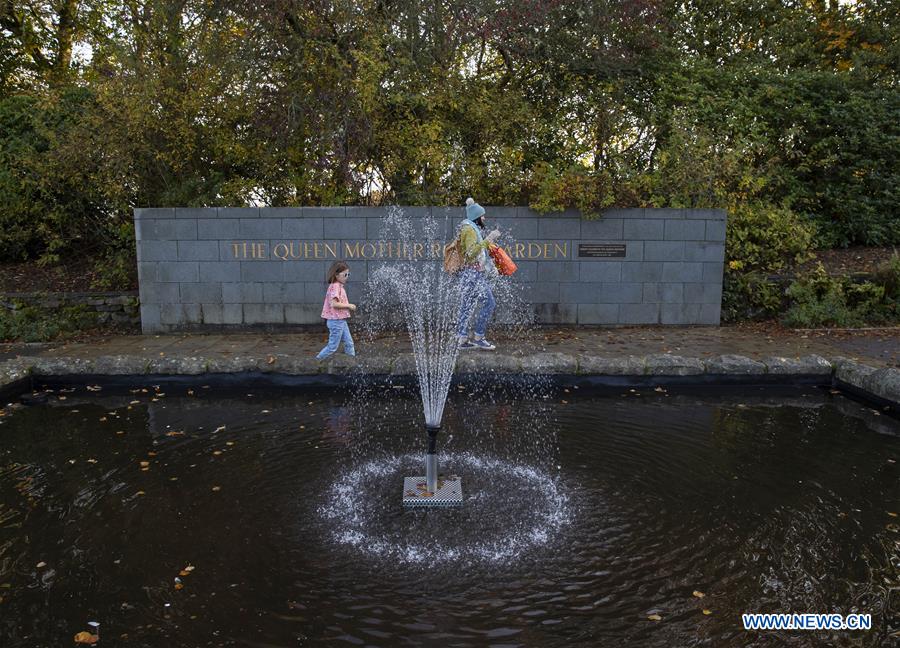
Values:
[(483, 344)]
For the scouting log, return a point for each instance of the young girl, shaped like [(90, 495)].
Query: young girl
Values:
[(336, 310)]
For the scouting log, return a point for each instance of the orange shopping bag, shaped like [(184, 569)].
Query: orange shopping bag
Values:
[(505, 265)]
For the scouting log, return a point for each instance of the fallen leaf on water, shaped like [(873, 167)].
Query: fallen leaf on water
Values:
[(178, 586), (151, 454), (92, 461), (189, 568), (144, 464), (230, 443), (217, 452), (140, 493), (698, 594), (270, 359), (707, 612), (216, 488), (174, 433), (190, 392), (219, 429), (892, 514), (41, 565), (85, 637), (102, 418), (94, 388), (654, 617), (61, 397)]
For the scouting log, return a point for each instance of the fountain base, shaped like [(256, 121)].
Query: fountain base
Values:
[(448, 493)]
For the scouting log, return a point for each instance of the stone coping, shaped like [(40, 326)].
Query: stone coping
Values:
[(880, 385)]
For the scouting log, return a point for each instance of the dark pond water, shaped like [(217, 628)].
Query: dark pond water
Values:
[(586, 514)]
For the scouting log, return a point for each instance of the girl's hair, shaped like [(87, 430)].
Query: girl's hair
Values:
[(336, 268)]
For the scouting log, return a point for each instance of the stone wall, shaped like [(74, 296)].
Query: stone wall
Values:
[(214, 268), (110, 307)]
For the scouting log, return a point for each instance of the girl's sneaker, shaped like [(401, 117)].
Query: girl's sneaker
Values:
[(483, 344), (465, 343)]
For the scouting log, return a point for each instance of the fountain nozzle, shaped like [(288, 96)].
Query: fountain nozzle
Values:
[(428, 491), (431, 465)]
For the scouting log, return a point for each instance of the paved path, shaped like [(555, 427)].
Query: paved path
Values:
[(879, 348)]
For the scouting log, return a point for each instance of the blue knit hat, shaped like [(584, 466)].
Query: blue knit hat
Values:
[(473, 210)]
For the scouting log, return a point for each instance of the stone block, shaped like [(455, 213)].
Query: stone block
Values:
[(638, 313), (260, 228), (219, 271), (704, 251), (646, 271), (680, 314), (178, 271), (303, 227), (154, 212), (665, 364), (807, 365), (685, 230), (147, 272), (281, 292), (592, 365), (263, 314), (668, 293), (518, 228), (150, 318), (606, 271), (232, 314), (598, 313), (238, 212), (715, 230), (664, 251), (160, 293), (549, 363), (555, 313), (713, 272), (303, 313), (209, 229), (262, 270), (165, 229), (603, 228), (703, 293), (212, 313), (557, 271), (180, 314), (644, 229), (157, 251), (559, 228), (731, 364), (194, 213), (710, 314), (242, 293), (345, 228), (543, 292), (682, 271), (210, 293), (198, 250)]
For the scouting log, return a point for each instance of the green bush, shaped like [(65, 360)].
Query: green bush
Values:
[(819, 300), (32, 324), (761, 240)]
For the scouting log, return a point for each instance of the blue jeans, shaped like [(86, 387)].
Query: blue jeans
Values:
[(338, 332), (476, 291)]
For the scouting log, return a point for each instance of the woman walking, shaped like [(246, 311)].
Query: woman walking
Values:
[(476, 291)]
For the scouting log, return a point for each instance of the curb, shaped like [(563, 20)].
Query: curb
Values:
[(881, 386)]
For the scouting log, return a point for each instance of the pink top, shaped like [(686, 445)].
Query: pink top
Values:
[(330, 312)]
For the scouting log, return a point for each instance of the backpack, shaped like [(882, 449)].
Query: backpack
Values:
[(453, 257)]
